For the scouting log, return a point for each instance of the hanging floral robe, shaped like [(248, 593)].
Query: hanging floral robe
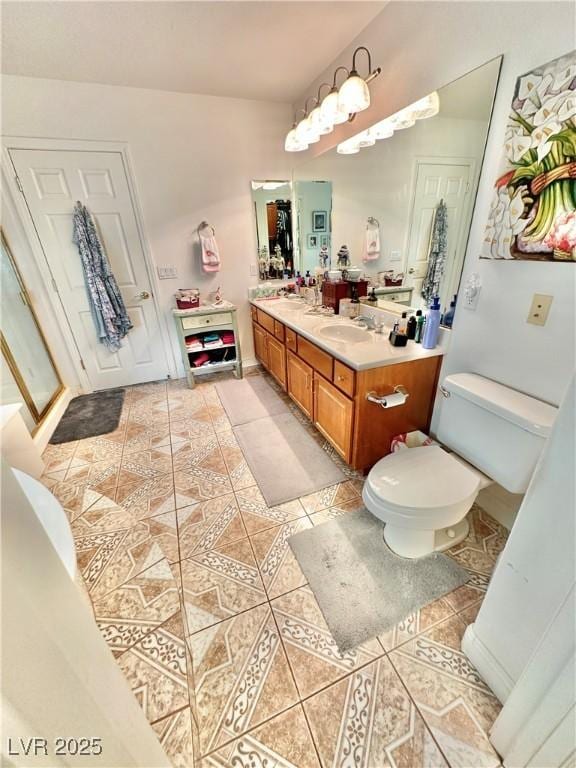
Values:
[(106, 304), (436, 253)]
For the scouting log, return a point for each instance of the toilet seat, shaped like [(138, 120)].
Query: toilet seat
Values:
[(419, 490)]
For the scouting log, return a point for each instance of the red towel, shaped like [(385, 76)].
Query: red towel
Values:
[(202, 358)]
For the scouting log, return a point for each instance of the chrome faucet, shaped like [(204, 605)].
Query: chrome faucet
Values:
[(370, 322)]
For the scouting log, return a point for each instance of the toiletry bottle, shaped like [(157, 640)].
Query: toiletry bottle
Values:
[(411, 327), (403, 325), (307, 277), (432, 328), (419, 326), (448, 318)]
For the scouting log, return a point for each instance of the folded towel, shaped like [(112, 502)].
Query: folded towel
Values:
[(201, 359)]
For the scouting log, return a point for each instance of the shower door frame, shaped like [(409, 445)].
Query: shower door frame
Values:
[(37, 415)]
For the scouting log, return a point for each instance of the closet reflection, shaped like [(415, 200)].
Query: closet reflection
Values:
[(273, 211), (29, 375)]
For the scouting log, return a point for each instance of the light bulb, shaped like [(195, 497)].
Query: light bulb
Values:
[(330, 112), (365, 139), (426, 107), (402, 119), (348, 147), (293, 143), (382, 130), (319, 126), (354, 94)]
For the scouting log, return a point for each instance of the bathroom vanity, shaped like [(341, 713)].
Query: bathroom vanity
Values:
[(329, 365)]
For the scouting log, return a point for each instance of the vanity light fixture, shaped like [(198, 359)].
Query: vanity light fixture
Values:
[(292, 142), (404, 118), (338, 106), (354, 94), (330, 109)]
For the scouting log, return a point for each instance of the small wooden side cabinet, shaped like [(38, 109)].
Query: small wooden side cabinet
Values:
[(197, 324)]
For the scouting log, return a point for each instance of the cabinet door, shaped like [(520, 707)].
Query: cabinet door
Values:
[(300, 382), (260, 346), (333, 415), (277, 360)]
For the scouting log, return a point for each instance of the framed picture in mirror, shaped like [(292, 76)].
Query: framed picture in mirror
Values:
[(312, 241), (319, 221)]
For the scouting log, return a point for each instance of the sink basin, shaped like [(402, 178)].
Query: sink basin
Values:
[(288, 305), (337, 332)]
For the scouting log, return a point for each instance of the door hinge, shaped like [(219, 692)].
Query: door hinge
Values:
[(82, 364), (19, 184)]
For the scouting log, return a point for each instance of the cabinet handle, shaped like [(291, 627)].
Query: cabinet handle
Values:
[(339, 378)]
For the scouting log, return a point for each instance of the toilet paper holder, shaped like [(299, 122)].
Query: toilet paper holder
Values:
[(394, 399)]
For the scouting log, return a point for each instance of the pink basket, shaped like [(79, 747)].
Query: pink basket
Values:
[(188, 304)]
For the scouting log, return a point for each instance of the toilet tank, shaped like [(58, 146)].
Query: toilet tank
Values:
[(495, 428)]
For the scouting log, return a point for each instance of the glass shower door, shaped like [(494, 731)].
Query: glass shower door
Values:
[(27, 366)]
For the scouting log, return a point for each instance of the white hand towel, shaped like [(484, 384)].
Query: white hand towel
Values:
[(210, 254), (372, 243)]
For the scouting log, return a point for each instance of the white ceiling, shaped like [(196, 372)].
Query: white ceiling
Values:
[(268, 50)]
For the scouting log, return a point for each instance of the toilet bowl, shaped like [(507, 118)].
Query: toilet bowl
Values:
[(423, 494)]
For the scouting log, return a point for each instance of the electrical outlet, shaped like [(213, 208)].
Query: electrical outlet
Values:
[(167, 272), (395, 256), (539, 309)]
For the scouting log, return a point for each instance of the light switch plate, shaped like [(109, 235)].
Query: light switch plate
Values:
[(539, 309), (167, 272), (395, 256)]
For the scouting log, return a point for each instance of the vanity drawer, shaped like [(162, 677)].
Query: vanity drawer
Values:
[(278, 330), (202, 321), (316, 357), (344, 378), (291, 339), (266, 321)]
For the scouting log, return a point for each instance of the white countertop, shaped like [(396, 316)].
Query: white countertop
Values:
[(375, 352)]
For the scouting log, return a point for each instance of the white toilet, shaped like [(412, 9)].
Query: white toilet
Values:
[(423, 494)]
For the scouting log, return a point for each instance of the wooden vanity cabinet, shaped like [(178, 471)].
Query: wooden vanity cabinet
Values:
[(300, 383), (333, 415), (277, 360), (333, 396), (260, 346)]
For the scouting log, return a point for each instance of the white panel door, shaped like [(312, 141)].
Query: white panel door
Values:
[(434, 183), (52, 181)]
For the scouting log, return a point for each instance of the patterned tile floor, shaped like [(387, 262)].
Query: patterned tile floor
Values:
[(195, 589)]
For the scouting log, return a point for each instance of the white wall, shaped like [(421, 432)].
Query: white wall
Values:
[(420, 47), (537, 567), (59, 678), (193, 158)]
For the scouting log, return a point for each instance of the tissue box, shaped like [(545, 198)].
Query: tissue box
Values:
[(398, 339)]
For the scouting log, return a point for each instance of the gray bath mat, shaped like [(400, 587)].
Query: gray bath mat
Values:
[(285, 460), (90, 416), (249, 399), (362, 587)]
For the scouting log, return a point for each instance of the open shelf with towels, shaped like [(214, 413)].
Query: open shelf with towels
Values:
[(209, 340)]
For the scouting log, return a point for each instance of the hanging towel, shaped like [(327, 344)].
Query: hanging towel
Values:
[(372, 242), (106, 304), (210, 252), (436, 253)]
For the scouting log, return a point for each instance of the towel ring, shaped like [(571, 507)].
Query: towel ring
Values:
[(372, 220), (205, 226)]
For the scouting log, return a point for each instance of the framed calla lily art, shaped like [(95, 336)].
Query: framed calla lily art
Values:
[(533, 212)]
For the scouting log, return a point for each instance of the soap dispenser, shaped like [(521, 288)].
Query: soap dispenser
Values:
[(448, 318), (432, 327)]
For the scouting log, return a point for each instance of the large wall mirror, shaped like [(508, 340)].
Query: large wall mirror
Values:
[(402, 205), (273, 212)]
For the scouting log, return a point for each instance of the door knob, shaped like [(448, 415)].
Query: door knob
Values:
[(411, 271), (143, 295)]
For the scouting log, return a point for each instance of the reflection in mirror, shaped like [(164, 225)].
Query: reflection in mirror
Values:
[(314, 215), (403, 204), (272, 202)]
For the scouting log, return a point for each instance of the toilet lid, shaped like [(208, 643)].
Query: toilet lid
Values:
[(425, 477)]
